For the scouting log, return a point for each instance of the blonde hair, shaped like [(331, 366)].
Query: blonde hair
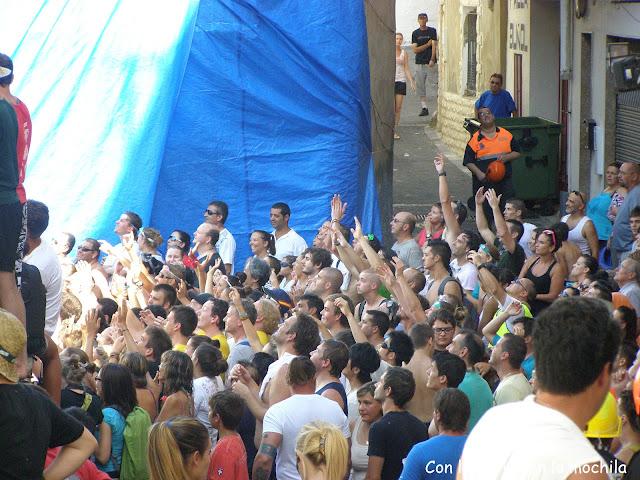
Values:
[(171, 443), (325, 447), (270, 315)]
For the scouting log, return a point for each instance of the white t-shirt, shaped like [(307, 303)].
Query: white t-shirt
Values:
[(203, 390), (513, 388), (45, 258), (467, 274), (524, 240), (289, 416), (525, 441), (285, 359), (226, 247), (346, 275), (289, 244)]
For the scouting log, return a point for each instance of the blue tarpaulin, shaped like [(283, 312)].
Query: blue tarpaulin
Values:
[(160, 107)]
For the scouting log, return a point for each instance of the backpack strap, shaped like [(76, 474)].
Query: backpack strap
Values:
[(86, 403), (444, 282)]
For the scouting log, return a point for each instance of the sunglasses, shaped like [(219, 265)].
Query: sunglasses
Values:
[(85, 249), (211, 212), (385, 345)]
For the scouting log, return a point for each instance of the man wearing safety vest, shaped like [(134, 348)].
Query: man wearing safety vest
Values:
[(486, 145)]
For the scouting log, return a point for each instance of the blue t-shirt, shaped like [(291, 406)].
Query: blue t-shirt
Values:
[(117, 424), (621, 236), (479, 394), (597, 209), (528, 365), (501, 104), (437, 458)]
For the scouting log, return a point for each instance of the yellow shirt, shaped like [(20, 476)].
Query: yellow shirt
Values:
[(180, 347), (263, 337), (224, 345)]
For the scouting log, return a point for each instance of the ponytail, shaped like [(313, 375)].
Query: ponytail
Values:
[(171, 443), (324, 446)]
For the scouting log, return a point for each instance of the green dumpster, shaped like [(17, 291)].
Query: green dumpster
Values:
[(535, 173)]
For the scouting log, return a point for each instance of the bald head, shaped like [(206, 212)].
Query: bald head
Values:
[(416, 279), (629, 174), (409, 220), (331, 278)]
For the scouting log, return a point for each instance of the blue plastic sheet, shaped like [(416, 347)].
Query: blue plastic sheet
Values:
[(160, 107)]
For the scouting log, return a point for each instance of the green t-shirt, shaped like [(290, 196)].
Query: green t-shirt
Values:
[(8, 154), (479, 394)]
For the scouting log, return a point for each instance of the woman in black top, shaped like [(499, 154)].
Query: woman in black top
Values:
[(75, 393), (546, 273)]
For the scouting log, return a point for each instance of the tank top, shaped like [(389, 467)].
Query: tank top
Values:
[(575, 234), (337, 386), (542, 284), (400, 75), (359, 457)]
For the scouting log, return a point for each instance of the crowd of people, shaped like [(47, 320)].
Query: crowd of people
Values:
[(494, 350)]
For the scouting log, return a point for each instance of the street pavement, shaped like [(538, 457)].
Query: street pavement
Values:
[(415, 181)]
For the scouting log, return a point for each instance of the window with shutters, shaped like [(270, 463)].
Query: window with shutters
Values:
[(470, 53)]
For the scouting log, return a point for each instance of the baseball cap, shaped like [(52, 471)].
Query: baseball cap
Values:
[(13, 338), (284, 300), (201, 298)]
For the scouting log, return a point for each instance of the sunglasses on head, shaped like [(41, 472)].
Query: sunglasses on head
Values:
[(579, 194), (552, 234)]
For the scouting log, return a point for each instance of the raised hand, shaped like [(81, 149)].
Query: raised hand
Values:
[(342, 304), (480, 196), (338, 208), (92, 321), (357, 231), (398, 265), (386, 274), (492, 198), (105, 247)]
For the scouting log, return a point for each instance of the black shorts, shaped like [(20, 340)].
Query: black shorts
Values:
[(13, 233), (401, 88)]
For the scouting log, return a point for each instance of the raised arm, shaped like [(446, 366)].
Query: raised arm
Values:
[(249, 328), (453, 227), (356, 330), (481, 220), (370, 253), (502, 230)]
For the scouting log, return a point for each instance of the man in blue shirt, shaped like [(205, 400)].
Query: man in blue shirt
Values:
[(438, 457), (499, 101)]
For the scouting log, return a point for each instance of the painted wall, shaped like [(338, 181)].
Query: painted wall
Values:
[(519, 42), (453, 104), (602, 19), (544, 60)]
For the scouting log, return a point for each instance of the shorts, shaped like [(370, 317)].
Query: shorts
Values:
[(401, 88), (13, 234)]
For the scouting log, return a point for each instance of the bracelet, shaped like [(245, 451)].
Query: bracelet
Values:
[(442, 174), (243, 316)]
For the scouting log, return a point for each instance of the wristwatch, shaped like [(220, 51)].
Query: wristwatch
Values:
[(442, 174)]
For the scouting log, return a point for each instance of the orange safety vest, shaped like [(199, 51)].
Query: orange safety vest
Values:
[(487, 149)]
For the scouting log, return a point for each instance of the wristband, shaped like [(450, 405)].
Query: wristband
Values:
[(243, 316), (442, 174)]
